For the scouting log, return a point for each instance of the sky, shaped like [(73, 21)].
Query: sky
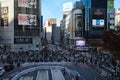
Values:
[(54, 8)]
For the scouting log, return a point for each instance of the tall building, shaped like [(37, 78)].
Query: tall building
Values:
[(72, 25), (52, 21), (87, 6), (98, 18), (117, 19), (95, 18), (20, 24), (110, 15)]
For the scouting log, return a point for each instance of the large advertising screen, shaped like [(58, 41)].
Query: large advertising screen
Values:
[(27, 19), (79, 43), (98, 18), (98, 22), (27, 3)]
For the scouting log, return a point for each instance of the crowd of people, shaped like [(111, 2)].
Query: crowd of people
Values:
[(48, 55)]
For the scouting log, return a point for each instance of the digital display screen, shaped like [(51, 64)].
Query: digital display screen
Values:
[(80, 43), (98, 23)]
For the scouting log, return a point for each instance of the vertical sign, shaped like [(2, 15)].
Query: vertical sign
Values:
[(111, 18)]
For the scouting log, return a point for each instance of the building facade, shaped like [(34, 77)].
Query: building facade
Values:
[(20, 24), (72, 25), (52, 31), (98, 18), (117, 19)]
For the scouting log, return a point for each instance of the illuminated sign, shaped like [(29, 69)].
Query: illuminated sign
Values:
[(111, 10), (79, 43), (110, 4), (98, 23)]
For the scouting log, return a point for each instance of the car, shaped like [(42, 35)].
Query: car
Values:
[(2, 71)]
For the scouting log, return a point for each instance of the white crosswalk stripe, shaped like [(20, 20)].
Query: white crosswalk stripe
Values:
[(57, 75), (42, 75)]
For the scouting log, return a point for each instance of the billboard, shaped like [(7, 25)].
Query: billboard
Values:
[(118, 10), (27, 3), (98, 18), (98, 22), (79, 43), (111, 10), (110, 4), (4, 16), (27, 19), (67, 7)]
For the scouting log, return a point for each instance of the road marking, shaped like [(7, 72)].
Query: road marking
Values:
[(57, 74), (42, 75), (26, 78)]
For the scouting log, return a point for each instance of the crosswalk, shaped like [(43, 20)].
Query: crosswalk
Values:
[(42, 75), (56, 74), (26, 78)]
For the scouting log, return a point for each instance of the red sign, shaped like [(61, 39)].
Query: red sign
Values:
[(22, 18), (119, 9)]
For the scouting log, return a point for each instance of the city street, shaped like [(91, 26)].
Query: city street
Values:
[(59, 40), (88, 65), (53, 71)]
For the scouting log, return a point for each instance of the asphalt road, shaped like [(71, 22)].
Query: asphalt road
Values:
[(85, 72)]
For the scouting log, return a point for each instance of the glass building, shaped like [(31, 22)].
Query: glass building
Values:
[(95, 18), (87, 4)]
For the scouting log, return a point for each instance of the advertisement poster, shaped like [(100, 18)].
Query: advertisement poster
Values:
[(27, 19), (98, 23), (27, 3), (4, 16)]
